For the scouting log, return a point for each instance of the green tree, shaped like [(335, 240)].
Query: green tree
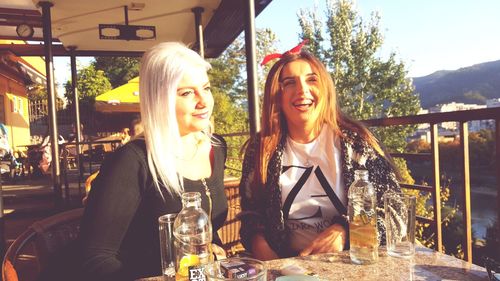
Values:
[(36, 92), (119, 70), (91, 83), (367, 86)]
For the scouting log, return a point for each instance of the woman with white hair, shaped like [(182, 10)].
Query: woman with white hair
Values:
[(144, 179)]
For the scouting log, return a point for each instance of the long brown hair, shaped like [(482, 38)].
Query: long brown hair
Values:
[(273, 122)]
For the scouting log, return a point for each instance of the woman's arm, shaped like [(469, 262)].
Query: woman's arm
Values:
[(261, 249), (111, 206), (330, 240)]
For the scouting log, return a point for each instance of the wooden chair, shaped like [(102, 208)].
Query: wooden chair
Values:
[(230, 232), (31, 251)]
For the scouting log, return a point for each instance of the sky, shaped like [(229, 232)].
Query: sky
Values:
[(427, 35)]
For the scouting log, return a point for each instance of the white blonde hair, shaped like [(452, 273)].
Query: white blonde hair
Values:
[(162, 68)]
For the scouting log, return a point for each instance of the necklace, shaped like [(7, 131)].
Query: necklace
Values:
[(209, 196), (304, 155)]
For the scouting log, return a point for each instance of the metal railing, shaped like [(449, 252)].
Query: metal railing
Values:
[(433, 119)]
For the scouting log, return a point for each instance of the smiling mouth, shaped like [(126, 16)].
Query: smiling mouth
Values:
[(203, 115), (303, 104)]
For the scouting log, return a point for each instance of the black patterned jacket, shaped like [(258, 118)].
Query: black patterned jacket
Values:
[(262, 211)]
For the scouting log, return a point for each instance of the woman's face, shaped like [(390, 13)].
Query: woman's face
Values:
[(299, 94), (194, 101)]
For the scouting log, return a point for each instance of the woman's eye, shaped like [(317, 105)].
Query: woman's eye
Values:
[(186, 93), (312, 79), (207, 89)]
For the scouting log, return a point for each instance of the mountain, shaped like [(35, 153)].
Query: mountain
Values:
[(473, 84)]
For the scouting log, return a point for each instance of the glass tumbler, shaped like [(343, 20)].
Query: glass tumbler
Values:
[(166, 228), (400, 224)]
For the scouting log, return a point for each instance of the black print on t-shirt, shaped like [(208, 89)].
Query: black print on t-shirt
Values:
[(300, 183)]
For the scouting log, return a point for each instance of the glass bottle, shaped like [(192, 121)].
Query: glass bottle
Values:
[(362, 214), (193, 238)]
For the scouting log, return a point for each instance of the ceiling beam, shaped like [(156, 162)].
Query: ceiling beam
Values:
[(59, 50), (13, 17), (20, 12)]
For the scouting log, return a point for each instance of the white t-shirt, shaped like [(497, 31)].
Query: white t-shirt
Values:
[(310, 172)]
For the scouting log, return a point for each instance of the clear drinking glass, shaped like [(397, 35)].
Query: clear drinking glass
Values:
[(400, 224), (236, 268), (166, 227)]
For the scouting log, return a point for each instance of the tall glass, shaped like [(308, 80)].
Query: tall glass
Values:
[(166, 227), (400, 224)]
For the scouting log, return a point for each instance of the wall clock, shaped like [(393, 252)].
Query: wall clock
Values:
[(25, 30)]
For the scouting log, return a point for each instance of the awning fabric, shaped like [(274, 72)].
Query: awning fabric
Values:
[(124, 98)]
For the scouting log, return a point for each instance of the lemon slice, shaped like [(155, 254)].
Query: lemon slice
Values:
[(186, 262)]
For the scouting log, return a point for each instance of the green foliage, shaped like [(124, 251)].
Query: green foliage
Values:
[(367, 86), (229, 118), (119, 70), (228, 71), (482, 148), (475, 96), (91, 83), (451, 220), (481, 145), (225, 74), (36, 92)]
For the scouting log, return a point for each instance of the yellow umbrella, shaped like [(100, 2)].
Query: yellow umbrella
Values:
[(124, 98)]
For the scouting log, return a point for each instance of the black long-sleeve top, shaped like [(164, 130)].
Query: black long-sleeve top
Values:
[(119, 231)]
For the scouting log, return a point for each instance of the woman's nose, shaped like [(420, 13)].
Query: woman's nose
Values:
[(202, 99), (302, 87)]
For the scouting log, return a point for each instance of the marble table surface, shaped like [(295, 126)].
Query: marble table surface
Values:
[(427, 265)]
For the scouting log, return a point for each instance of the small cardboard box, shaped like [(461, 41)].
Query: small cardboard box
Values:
[(236, 269)]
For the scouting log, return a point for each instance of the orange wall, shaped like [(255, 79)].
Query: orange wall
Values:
[(15, 108)]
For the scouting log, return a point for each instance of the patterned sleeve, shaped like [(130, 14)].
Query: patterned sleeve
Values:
[(251, 211), (384, 180)]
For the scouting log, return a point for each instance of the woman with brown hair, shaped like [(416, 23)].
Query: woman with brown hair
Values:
[(297, 171)]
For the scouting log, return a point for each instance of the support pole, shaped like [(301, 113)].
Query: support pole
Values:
[(54, 134), (466, 209), (3, 246), (76, 106), (436, 182), (199, 29), (253, 104), (497, 149)]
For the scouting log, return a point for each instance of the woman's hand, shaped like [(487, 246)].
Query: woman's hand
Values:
[(330, 240), (261, 249), (219, 253)]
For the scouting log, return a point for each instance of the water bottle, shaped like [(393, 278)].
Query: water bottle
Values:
[(362, 220), (193, 238)]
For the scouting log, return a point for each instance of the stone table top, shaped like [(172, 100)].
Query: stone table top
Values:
[(427, 265)]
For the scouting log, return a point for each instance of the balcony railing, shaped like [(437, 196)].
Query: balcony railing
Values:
[(433, 120)]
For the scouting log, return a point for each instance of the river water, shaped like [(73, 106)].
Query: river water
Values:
[(483, 211)]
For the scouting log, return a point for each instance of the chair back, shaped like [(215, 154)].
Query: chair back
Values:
[(230, 231), (31, 251)]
